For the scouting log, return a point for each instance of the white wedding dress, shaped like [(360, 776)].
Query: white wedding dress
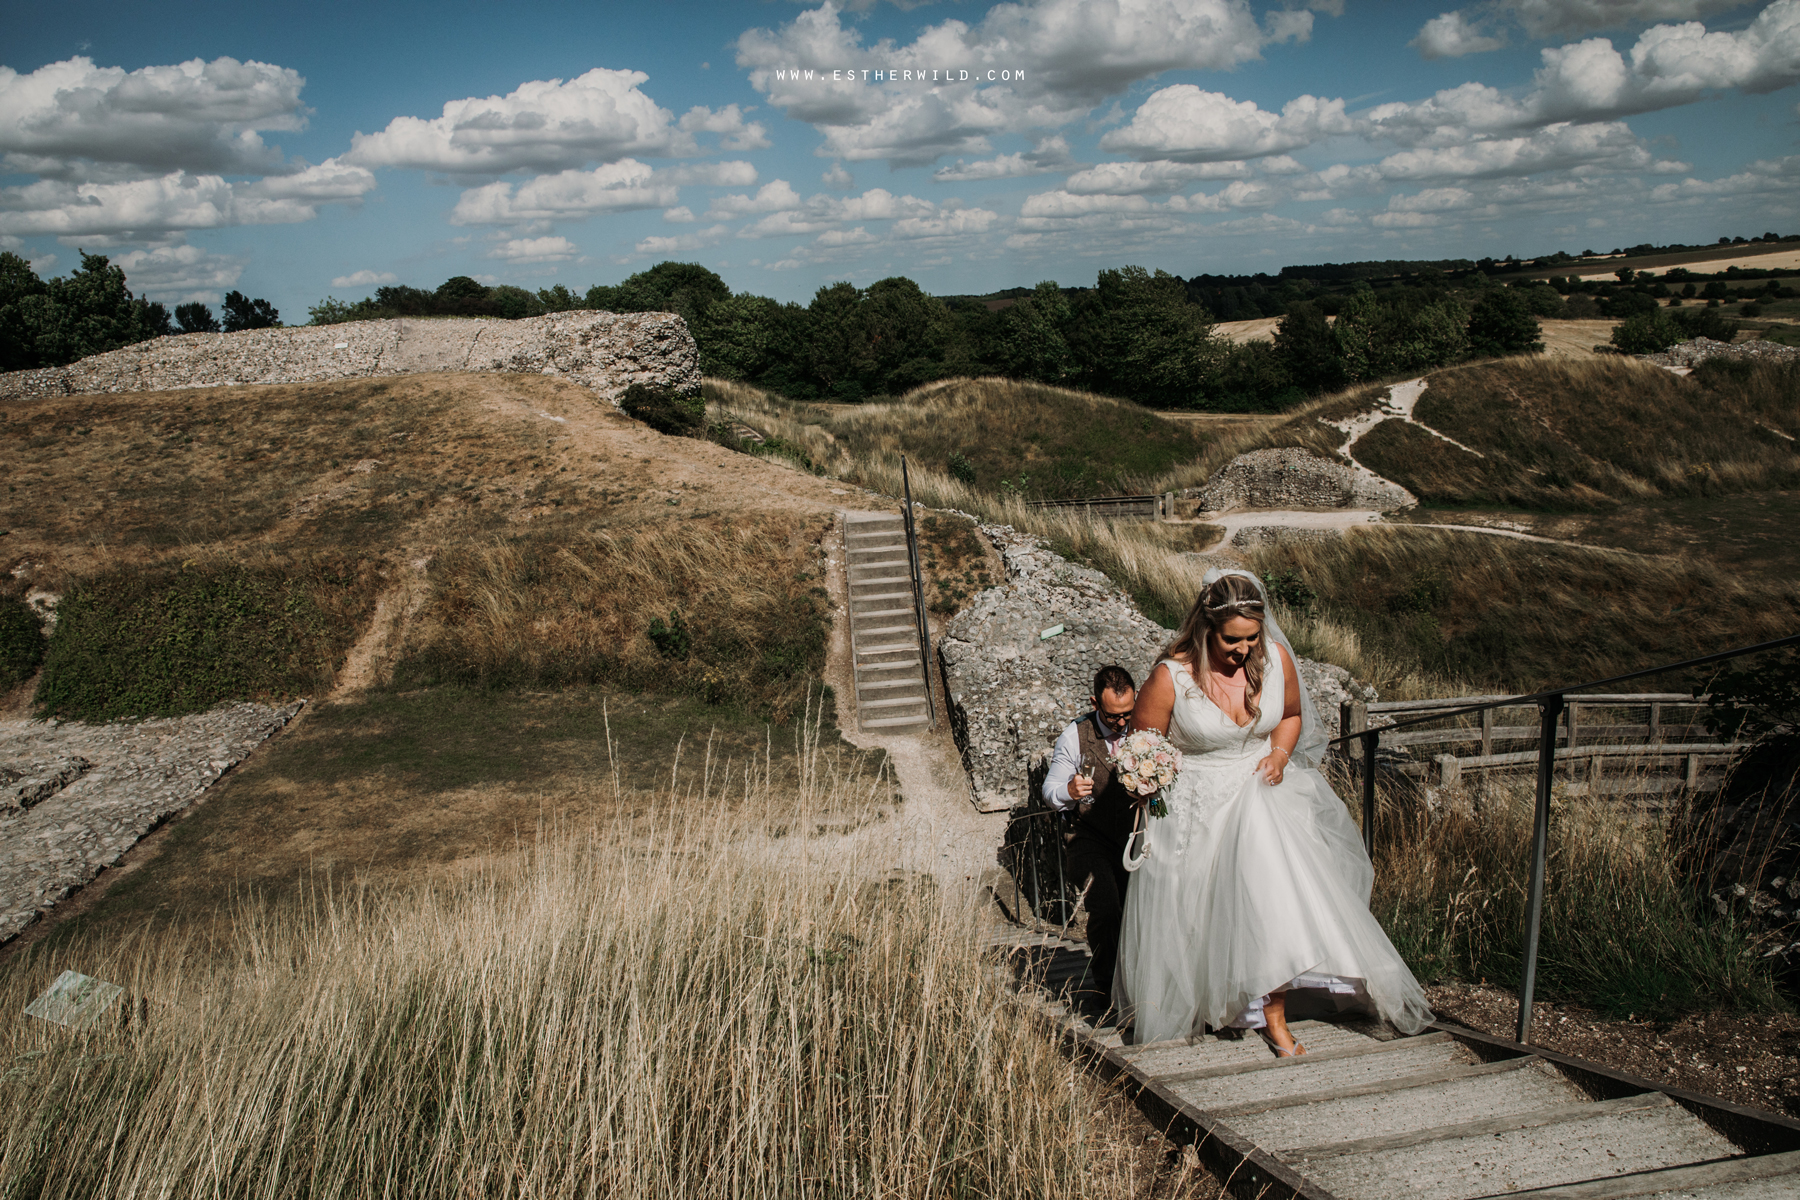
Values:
[(1250, 888)]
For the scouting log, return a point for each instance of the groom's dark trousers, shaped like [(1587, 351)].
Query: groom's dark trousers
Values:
[(1097, 848)]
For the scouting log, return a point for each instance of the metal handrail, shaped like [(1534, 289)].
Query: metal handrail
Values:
[(1550, 703), (918, 590)]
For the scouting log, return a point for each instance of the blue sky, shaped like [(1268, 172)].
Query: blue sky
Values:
[(298, 151)]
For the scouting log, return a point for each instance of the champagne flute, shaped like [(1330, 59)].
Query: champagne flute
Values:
[(1086, 772)]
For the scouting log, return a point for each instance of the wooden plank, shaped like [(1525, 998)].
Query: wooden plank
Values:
[(1399, 1083), (1748, 1169), (1288, 1064), (1588, 1110)]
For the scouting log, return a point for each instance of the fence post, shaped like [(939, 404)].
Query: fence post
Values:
[(1548, 712), (1655, 724), (1371, 738), (1487, 732)]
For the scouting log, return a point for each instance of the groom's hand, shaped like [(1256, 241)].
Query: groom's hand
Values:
[(1080, 788)]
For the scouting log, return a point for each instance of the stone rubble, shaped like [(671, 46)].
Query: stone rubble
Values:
[(1693, 353), (1011, 691), (1292, 478), (132, 777), (604, 351)]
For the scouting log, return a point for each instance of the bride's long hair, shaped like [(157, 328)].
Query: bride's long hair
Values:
[(1226, 597)]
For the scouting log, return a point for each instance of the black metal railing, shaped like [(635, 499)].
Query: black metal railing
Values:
[(918, 591), (1550, 703)]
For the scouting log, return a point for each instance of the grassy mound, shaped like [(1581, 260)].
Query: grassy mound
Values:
[(1559, 434), (996, 436), (733, 616)]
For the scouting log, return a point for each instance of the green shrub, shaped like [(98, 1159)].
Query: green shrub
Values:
[(680, 414), (166, 641), (21, 642), (1502, 323), (1646, 333), (961, 468)]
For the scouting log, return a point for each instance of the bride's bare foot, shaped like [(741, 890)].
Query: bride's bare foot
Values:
[(1275, 1029)]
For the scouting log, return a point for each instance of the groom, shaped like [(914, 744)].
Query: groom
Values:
[(1103, 814)]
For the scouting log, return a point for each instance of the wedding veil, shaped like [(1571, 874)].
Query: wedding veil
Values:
[(1310, 750)]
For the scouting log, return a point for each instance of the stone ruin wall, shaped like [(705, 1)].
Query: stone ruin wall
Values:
[(1292, 478), (1011, 691), (605, 352)]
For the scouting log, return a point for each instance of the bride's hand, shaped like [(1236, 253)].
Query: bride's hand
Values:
[(1273, 766)]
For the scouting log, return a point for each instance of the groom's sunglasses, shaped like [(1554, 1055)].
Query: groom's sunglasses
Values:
[(1116, 720)]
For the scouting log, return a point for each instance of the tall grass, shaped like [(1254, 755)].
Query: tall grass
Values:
[(673, 1011), (738, 613), (1624, 928)]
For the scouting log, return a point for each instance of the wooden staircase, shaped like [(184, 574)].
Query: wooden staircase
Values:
[(892, 687)]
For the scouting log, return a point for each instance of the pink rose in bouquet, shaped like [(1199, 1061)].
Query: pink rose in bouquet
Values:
[(1147, 762)]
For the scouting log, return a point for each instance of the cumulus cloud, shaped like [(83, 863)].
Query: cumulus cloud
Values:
[(543, 125), (822, 212), (572, 195), (1048, 155), (1452, 35), (1555, 147), (775, 196), (680, 215), (1134, 178), (156, 207), (179, 273), (1553, 18), (683, 244), (365, 278), (837, 177), (1765, 177), (75, 121), (1068, 55), (736, 133), (535, 250), (1184, 123)]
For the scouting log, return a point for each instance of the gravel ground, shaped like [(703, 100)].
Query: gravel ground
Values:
[(1748, 1060)]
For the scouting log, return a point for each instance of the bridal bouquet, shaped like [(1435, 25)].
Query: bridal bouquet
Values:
[(1147, 762)]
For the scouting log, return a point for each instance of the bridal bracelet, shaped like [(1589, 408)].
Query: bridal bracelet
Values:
[(1287, 752)]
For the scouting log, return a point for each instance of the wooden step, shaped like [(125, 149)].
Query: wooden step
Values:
[(1758, 1177), (892, 722), (919, 699)]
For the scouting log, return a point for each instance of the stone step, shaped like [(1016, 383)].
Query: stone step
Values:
[(1404, 1104), (881, 596), (899, 664), (1563, 1144), (1193, 1059), (892, 648), (1320, 1070), (870, 537), (1759, 1177), (884, 629), (881, 612), (880, 574), (894, 722), (905, 700), (889, 685)]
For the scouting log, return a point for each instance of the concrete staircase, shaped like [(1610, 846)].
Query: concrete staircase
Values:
[(891, 679)]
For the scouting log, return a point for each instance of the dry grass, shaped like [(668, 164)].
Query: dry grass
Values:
[(743, 612), (667, 1009), (1624, 929)]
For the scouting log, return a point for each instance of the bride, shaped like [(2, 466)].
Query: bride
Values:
[(1256, 883)]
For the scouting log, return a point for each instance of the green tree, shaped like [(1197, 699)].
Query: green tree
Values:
[(1030, 344), (737, 337), (1502, 324), (686, 289), (198, 318), (908, 333), (837, 349), (1357, 334), (1307, 349), (18, 336), (241, 312), (1136, 335), (1646, 333)]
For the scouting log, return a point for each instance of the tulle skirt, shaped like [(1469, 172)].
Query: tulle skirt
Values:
[(1250, 889)]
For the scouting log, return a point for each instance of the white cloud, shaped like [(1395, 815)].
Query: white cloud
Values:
[(737, 134), (1779, 177), (75, 121), (1550, 18), (1132, 178), (837, 177), (1187, 124), (682, 215), (822, 212), (1452, 35), (152, 207), (178, 274), (837, 239), (543, 125), (1069, 54), (1432, 200), (572, 195), (683, 244), (947, 224), (365, 278), (1049, 155), (535, 250), (1556, 147), (330, 182), (778, 195), (1404, 220)]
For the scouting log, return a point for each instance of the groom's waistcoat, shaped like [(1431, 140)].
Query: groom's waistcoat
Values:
[(1112, 814)]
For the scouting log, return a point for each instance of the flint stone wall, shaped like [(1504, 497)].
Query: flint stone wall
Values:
[(1290, 477), (1011, 692), (607, 352), (1697, 350)]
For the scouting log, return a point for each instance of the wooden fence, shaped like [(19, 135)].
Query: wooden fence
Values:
[(1646, 742), (1119, 508)]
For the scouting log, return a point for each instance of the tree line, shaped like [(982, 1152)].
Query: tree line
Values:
[(50, 322)]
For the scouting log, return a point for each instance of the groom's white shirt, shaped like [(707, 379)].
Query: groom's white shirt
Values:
[(1065, 760)]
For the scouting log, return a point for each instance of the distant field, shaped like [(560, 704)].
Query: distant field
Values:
[(1703, 261)]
